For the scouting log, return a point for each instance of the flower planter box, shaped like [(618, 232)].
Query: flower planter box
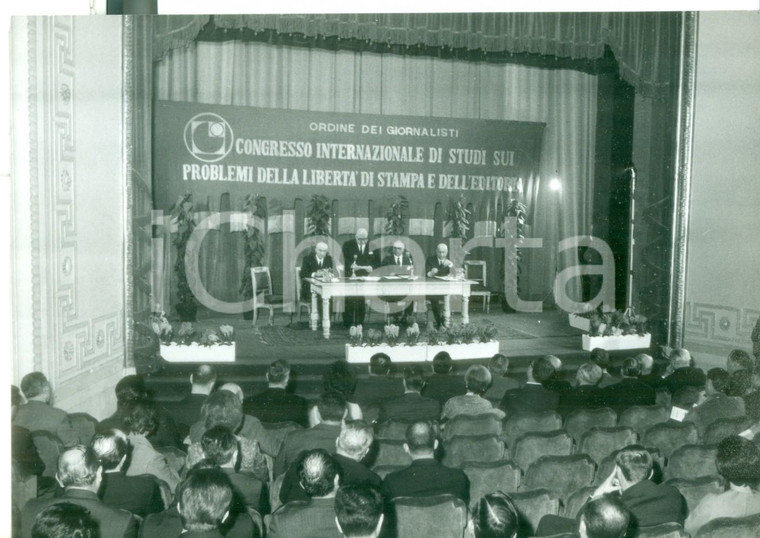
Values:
[(197, 353), (476, 350), (421, 352), (611, 343), (582, 323)]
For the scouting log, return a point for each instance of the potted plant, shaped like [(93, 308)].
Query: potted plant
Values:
[(183, 217), (318, 215), (514, 208), (254, 206), (213, 345), (464, 342), (459, 217), (617, 330)]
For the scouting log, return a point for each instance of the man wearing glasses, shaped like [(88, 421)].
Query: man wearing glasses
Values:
[(359, 261)]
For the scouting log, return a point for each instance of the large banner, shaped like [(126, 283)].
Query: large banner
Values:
[(208, 150)]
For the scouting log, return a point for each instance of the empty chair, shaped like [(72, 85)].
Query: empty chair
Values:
[(392, 429), (641, 417), (263, 295), (670, 436), (486, 424), (532, 446), (692, 461), (731, 527), (561, 475), (461, 449), (475, 270), (486, 478), (716, 431), (694, 489), (663, 530), (441, 516), (581, 420), (391, 452), (521, 423), (302, 302), (601, 442), (532, 506), (576, 500)]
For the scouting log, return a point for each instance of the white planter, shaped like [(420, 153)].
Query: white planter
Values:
[(197, 353), (611, 343), (398, 353), (460, 352), (582, 323)]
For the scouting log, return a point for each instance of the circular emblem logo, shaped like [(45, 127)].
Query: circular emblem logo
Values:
[(208, 137)]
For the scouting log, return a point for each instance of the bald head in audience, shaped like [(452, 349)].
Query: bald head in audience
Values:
[(354, 440), (79, 468), (588, 374), (646, 363), (605, 517), (318, 474), (420, 440), (203, 379)]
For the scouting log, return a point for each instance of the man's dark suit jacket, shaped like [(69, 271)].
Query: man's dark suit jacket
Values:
[(581, 397), (409, 408), (432, 262), (532, 397), (186, 412), (628, 392), (652, 504), (685, 377), (36, 416), (351, 472), (351, 249), (655, 381), (309, 266), (314, 518), (247, 489), (320, 436), (137, 494), (168, 524), (112, 521), (443, 387), (24, 453), (166, 434), (373, 390), (277, 405), (390, 260), (425, 478), (557, 384)]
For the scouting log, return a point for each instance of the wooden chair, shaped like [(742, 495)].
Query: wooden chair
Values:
[(581, 420), (442, 516), (482, 448), (263, 296), (601, 442), (469, 425), (670, 436), (480, 289), (692, 461), (486, 478), (532, 506), (730, 527), (561, 475), (532, 446), (693, 490), (641, 417), (521, 423), (301, 302)]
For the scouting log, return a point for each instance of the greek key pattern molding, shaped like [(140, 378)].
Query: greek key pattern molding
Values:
[(720, 324)]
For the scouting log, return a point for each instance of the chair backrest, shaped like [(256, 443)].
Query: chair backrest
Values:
[(670, 436), (478, 275), (670, 529), (298, 287), (486, 478), (716, 431), (483, 448), (441, 516), (262, 281), (532, 506), (258, 521), (641, 417), (174, 456), (519, 424), (576, 500), (84, 425), (278, 430), (391, 452), (384, 470), (692, 461), (23, 488), (730, 527), (601, 442), (392, 429), (581, 420), (464, 425), (561, 475), (694, 489), (532, 446), (49, 446), (274, 493)]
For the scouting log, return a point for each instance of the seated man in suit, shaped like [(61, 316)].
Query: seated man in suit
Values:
[(360, 261), (80, 474), (587, 394), (398, 263), (533, 396), (276, 404), (378, 387), (38, 412), (681, 372), (412, 405), (438, 265), (311, 265), (359, 511), (648, 374), (425, 477), (557, 381), (739, 359), (187, 411), (318, 474), (601, 357), (444, 384), (63, 520), (714, 404), (140, 495), (629, 391), (23, 451), (605, 517), (500, 382)]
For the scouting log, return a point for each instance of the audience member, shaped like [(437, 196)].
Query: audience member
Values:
[(738, 462), (477, 379), (556, 382), (140, 495), (318, 474), (438, 265), (339, 377), (739, 360), (681, 372), (648, 375), (444, 383), (235, 389), (38, 412), (139, 421), (714, 404), (533, 396), (411, 405), (359, 510), (276, 404), (740, 383), (629, 391), (587, 394), (379, 386), (80, 474), (605, 517), (500, 382), (23, 451), (601, 357), (425, 477), (187, 411), (332, 409), (360, 260), (65, 520), (494, 516)]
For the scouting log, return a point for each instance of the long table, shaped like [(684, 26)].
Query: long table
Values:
[(421, 287)]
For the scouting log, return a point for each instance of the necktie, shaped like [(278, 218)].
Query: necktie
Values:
[(320, 263), (398, 260)]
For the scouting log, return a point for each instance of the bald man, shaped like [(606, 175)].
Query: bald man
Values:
[(360, 261), (438, 266), (311, 265)]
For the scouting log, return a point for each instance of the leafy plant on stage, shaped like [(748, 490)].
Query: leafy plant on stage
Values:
[(458, 216), (391, 334), (412, 334), (183, 218), (254, 207), (486, 333), (226, 334), (467, 334), (186, 333), (374, 337), (453, 334), (617, 323), (161, 326), (395, 215), (355, 335), (518, 211), (435, 337), (318, 215)]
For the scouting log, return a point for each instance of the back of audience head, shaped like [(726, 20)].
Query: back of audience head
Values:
[(16, 397), (646, 363), (318, 473), (442, 363), (498, 365), (235, 389), (130, 388), (278, 373), (738, 461), (204, 377), (222, 408), (605, 517), (340, 377), (379, 364), (635, 463), (739, 383), (739, 359), (495, 516), (588, 374), (65, 520), (203, 499), (414, 378), (220, 446), (35, 386), (359, 510), (420, 439), (600, 357), (717, 380), (78, 467), (477, 378), (631, 368), (555, 361), (680, 358), (331, 406), (111, 447), (355, 439), (540, 370), (139, 418)]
